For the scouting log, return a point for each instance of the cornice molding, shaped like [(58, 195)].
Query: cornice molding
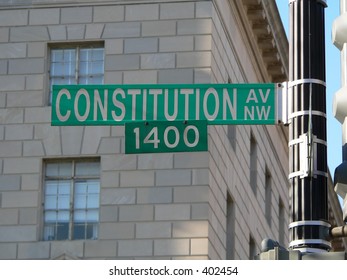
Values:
[(269, 37)]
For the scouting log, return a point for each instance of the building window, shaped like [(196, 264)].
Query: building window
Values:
[(253, 164), (71, 200), (268, 194), (252, 248), (232, 136), (281, 223), (230, 228), (80, 64)]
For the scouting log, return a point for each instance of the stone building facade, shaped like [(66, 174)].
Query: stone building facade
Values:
[(72, 192)]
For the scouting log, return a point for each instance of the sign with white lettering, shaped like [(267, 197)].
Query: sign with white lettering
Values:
[(118, 104), (164, 137)]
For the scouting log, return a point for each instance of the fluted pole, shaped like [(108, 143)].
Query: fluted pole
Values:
[(308, 176)]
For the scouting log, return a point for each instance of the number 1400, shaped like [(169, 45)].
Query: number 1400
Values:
[(159, 137), (171, 137)]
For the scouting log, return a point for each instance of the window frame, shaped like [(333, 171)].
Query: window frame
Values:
[(253, 170), (268, 195), (230, 227), (71, 45), (73, 180)]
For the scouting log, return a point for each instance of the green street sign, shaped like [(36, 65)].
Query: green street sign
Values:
[(165, 137), (118, 104)]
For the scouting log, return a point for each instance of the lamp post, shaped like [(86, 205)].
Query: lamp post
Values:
[(309, 227), (310, 231)]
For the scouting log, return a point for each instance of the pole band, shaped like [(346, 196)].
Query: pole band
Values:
[(306, 81), (307, 112), (309, 223), (302, 174), (299, 140)]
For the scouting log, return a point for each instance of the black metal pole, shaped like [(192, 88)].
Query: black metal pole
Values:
[(309, 227)]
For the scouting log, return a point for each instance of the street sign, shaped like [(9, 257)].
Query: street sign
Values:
[(164, 136), (118, 104)]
